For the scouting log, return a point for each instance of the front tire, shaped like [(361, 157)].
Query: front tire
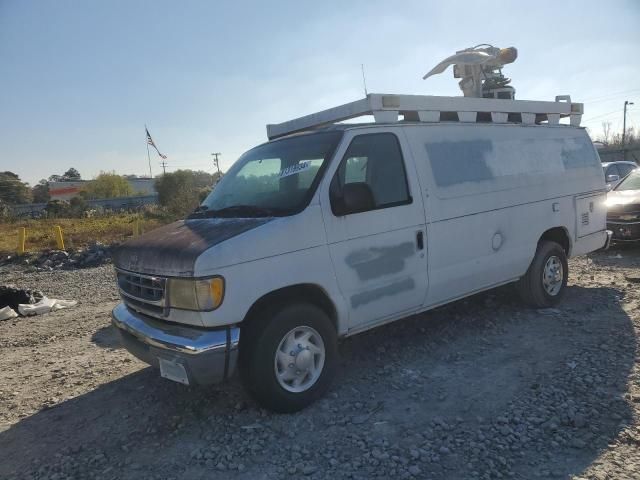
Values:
[(288, 358), (544, 283)]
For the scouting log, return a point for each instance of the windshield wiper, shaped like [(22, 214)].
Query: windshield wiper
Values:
[(239, 211), (199, 211)]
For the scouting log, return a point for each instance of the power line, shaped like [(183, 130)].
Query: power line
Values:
[(596, 99), (602, 115)]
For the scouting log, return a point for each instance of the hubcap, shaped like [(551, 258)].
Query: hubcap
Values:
[(299, 359), (553, 275)]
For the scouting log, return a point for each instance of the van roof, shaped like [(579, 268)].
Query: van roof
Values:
[(387, 109)]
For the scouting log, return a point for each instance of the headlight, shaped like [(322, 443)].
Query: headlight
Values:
[(196, 294)]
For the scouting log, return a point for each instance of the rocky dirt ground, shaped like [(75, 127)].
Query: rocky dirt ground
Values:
[(483, 388)]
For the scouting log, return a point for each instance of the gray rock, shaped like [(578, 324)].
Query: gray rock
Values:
[(414, 470)]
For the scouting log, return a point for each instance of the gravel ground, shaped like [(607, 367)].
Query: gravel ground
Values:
[(483, 388)]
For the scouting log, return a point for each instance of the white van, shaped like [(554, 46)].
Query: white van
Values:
[(331, 229)]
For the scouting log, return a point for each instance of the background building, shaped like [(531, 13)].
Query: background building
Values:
[(65, 191)]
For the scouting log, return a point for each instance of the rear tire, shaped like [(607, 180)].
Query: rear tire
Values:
[(288, 358), (544, 283)]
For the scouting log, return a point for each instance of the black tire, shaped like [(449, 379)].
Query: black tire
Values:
[(531, 287), (260, 339)]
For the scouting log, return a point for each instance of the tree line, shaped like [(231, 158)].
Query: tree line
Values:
[(180, 192), (614, 140)]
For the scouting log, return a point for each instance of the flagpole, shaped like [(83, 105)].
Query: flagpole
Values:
[(148, 156)]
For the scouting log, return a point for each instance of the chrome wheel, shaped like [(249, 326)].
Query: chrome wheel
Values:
[(553, 276), (299, 359)]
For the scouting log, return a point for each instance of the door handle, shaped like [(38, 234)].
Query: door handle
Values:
[(420, 240)]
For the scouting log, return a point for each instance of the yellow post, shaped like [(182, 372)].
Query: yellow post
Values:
[(59, 238), (136, 228), (22, 235)]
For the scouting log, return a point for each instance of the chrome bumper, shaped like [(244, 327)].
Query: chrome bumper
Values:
[(208, 356)]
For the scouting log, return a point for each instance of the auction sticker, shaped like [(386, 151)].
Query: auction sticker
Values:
[(295, 169)]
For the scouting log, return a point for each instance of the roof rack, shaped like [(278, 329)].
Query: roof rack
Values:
[(387, 108)]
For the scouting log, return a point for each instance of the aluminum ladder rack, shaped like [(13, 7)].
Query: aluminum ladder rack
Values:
[(388, 108)]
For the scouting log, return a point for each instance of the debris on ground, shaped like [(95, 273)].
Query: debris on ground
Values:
[(7, 313), (93, 255), (12, 296), (28, 302), (45, 305)]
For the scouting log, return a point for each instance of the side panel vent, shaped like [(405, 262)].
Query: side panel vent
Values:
[(585, 219)]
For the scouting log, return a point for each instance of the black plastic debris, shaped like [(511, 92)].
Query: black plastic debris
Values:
[(12, 296)]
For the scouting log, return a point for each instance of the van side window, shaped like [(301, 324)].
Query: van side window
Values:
[(374, 163)]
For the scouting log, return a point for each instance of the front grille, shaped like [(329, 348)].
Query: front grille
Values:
[(142, 292)]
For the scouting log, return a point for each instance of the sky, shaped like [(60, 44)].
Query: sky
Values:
[(80, 80)]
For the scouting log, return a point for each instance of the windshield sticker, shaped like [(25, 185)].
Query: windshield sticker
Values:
[(295, 169)]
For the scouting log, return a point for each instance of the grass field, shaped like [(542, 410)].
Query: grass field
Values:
[(77, 232)]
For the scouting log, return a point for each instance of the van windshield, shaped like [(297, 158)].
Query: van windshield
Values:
[(632, 182), (274, 179)]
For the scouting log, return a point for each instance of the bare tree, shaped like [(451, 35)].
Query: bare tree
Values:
[(606, 132)]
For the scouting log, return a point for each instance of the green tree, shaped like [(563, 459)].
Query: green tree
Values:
[(13, 190), (40, 192), (77, 207), (108, 185), (183, 190), (71, 175)]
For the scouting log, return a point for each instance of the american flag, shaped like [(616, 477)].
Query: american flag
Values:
[(150, 142)]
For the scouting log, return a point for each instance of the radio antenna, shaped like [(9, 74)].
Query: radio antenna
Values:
[(364, 80)]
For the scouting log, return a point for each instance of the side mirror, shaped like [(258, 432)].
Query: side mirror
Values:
[(354, 197), (612, 178)]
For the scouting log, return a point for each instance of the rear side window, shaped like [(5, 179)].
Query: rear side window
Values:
[(375, 160)]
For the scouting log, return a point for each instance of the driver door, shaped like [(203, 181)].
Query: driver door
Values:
[(379, 253)]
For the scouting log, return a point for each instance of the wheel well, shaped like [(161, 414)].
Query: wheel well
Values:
[(305, 292), (558, 235)]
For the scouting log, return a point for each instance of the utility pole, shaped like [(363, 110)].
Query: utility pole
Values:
[(624, 129), (216, 162), (164, 167)]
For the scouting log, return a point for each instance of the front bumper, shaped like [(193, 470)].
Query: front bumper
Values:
[(208, 356), (624, 231)]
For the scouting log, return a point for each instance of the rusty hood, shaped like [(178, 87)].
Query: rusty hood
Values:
[(172, 250)]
